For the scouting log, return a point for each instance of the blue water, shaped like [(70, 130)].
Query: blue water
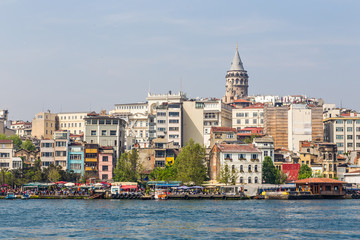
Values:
[(172, 219)]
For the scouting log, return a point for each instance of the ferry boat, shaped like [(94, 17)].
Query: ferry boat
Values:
[(160, 194), (25, 196)]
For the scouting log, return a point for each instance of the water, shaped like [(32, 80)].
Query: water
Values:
[(172, 219)]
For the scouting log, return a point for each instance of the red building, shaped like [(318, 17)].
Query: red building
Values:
[(291, 170)]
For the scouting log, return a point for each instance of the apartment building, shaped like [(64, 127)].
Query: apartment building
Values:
[(76, 161), (106, 131), (6, 154), (106, 163), (252, 116), (72, 121), (344, 131), (44, 124), (47, 152), (91, 160), (21, 128), (169, 122), (61, 138), (244, 158)]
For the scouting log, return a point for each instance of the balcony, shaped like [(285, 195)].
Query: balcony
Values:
[(255, 160), (242, 159), (90, 159), (229, 159), (90, 169)]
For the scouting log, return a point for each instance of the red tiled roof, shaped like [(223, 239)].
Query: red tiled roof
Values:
[(357, 171), (341, 156), (241, 101), (223, 129), (238, 148), (6, 141), (319, 180)]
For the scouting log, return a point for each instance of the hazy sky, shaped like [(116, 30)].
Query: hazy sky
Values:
[(76, 55)]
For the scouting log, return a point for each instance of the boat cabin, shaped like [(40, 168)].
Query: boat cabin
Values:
[(321, 186)]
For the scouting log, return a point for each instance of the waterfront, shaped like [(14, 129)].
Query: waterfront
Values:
[(206, 219)]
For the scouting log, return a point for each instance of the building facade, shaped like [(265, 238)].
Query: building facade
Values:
[(245, 158), (44, 125), (72, 121), (252, 116), (76, 161)]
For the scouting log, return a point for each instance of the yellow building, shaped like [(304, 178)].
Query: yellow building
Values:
[(44, 124)]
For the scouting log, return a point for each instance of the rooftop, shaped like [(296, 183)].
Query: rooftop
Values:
[(319, 180), (223, 129), (238, 148)]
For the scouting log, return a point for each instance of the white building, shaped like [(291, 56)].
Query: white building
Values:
[(265, 145), (299, 126), (21, 128), (72, 121), (266, 99), (252, 116), (245, 158)]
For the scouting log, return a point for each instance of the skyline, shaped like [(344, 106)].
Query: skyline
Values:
[(72, 56)]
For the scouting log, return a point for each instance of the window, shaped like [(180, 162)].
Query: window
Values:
[(94, 121), (101, 121), (174, 121), (230, 135), (349, 145), (115, 122), (112, 132), (93, 132), (173, 129), (174, 114), (108, 122), (241, 180), (60, 144), (255, 114), (266, 153), (339, 136), (254, 121), (161, 129), (339, 129), (103, 132), (105, 168), (349, 137), (75, 156), (161, 121), (249, 180), (349, 129), (241, 156), (249, 168), (159, 163), (4, 155), (256, 168), (163, 114), (105, 159), (358, 137), (104, 177), (238, 121), (241, 168), (173, 136), (339, 121), (91, 155), (256, 180), (60, 153), (228, 156), (349, 121), (47, 154), (339, 144), (254, 156)]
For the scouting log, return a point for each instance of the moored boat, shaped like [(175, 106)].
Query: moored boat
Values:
[(25, 196), (10, 196)]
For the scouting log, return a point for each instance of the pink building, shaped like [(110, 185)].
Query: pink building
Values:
[(106, 163)]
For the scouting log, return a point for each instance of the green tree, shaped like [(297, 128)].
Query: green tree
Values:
[(269, 171), (250, 139), (9, 178), (190, 163), (167, 173), (53, 174), (16, 141), (28, 145), (280, 177), (228, 175), (128, 167), (304, 172)]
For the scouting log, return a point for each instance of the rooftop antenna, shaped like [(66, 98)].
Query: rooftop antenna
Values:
[(149, 86)]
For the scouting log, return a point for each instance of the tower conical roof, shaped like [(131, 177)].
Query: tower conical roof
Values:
[(236, 63)]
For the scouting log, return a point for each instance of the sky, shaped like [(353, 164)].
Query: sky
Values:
[(68, 56)]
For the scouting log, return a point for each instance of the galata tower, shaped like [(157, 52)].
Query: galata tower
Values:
[(236, 80)]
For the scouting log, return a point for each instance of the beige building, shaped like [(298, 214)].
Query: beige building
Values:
[(344, 131), (61, 139), (276, 125), (47, 152), (222, 135), (252, 116), (44, 125), (6, 154), (199, 116), (72, 121)]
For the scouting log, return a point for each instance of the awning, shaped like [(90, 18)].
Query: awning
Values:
[(167, 185), (129, 187)]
